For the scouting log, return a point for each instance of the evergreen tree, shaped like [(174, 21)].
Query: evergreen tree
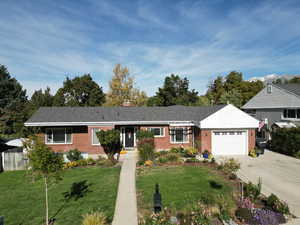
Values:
[(12, 101)]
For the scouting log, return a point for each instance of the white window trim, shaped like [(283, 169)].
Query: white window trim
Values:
[(162, 128), (288, 118), (92, 130), (180, 142), (65, 143)]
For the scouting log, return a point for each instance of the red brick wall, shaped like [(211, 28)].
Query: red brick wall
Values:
[(81, 139), (165, 142), (205, 140), (251, 139)]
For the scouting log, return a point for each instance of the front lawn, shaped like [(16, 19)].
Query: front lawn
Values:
[(181, 187), (22, 202)]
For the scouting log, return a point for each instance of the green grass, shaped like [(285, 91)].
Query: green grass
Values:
[(181, 186), (22, 202)]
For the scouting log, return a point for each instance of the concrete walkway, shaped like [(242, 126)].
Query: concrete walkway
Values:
[(126, 206)]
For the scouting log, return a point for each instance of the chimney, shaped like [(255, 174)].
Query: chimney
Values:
[(127, 103)]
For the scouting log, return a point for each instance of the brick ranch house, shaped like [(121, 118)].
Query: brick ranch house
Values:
[(221, 129)]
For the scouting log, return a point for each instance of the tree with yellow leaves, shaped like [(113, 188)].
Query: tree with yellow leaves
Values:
[(121, 89)]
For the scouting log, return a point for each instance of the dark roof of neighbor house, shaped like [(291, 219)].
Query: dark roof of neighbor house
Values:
[(112, 114), (294, 88)]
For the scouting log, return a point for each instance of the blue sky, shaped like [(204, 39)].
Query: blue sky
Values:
[(42, 42)]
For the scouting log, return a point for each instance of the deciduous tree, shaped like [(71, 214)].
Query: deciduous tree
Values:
[(79, 91), (175, 91), (121, 89), (45, 164)]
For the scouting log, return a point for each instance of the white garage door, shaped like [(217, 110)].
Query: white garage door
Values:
[(229, 142)]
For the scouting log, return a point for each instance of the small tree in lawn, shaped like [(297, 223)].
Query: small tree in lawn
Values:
[(45, 164), (110, 141)]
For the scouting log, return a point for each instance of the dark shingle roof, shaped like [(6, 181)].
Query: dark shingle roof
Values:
[(110, 114), (294, 88)]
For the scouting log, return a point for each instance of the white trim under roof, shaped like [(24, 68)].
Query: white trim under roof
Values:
[(111, 123)]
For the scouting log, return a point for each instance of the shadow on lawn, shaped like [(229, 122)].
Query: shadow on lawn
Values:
[(77, 190), (215, 185)]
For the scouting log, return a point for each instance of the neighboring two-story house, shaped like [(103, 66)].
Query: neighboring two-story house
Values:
[(277, 105)]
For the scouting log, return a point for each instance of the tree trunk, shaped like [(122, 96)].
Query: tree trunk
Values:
[(46, 195)]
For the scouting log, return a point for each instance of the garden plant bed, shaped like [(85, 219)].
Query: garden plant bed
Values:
[(181, 188), (22, 202), (199, 191)]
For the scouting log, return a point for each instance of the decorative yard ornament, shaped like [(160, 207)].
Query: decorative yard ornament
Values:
[(157, 200)]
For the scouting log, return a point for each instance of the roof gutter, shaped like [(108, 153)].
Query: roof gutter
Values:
[(110, 123)]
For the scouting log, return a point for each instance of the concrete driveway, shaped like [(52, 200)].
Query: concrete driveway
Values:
[(280, 175)]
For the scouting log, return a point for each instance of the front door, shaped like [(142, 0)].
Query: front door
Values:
[(129, 137)]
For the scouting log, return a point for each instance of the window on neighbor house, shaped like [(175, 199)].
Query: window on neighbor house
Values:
[(179, 135), (58, 136), (157, 131), (95, 140), (291, 113)]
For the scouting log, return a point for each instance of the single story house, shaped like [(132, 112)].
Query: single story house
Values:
[(221, 129)]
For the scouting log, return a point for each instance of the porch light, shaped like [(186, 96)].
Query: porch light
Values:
[(157, 200)]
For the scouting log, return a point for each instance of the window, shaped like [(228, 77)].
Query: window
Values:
[(291, 113), (58, 136), (157, 131), (224, 133), (179, 135), (231, 133), (95, 140), (217, 133), (239, 133)]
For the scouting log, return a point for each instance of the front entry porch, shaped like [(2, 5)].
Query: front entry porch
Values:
[(128, 137)]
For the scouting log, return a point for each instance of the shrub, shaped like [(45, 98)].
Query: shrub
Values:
[(146, 149), (277, 205), (148, 163), (110, 142), (192, 160), (230, 165), (252, 153), (142, 134), (74, 155), (252, 191), (162, 159), (90, 161), (161, 153), (286, 141), (82, 162), (70, 165), (95, 218), (177, 150), (190, 152), (173, 157)]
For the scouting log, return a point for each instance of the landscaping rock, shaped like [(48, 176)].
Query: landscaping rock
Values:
[(230, 222)]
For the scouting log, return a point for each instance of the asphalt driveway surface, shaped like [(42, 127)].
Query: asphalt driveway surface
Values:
[(280, 175)]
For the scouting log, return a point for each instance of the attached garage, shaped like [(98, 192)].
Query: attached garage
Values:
[(228, 131), (229, 142)]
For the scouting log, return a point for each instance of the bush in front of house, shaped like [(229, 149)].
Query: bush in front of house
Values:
[(142, 134), (286, 141), (74, 155), (277, 205), (145, 145), (230, 165), (252, 191)]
